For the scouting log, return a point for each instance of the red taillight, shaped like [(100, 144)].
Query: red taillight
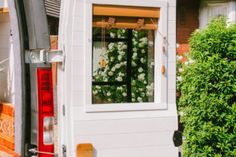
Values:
[(46, 111)]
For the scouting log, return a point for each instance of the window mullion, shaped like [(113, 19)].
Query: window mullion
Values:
[(129, 70)]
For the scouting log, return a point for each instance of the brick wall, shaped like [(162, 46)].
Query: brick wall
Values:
[(187, 22)]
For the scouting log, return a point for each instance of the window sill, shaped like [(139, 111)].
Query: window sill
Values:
[(122, 107)]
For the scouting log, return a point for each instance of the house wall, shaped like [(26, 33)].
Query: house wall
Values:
[(139, 133), (192, 15), (210, 9), (3, 4), (187, 22), (4, 57), (11, 86)]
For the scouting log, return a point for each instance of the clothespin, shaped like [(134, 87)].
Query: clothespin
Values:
[(111, 22), (140, 24)]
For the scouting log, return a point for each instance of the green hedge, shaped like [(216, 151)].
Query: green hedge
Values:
[(208, 92)]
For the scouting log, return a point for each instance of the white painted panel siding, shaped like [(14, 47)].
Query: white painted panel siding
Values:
[(138, 152), (114, 134)]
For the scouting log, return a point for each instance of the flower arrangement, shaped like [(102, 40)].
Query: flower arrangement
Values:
[(115, 69)]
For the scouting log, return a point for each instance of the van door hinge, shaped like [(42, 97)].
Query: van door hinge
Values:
[(63, 150), (63, 110), (44, 56)]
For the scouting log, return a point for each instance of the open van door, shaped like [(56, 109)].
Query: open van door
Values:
[(38, 115), (118, 84)]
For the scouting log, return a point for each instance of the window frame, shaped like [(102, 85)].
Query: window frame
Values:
[(160, 91)]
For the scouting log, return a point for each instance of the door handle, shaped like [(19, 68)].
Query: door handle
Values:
[(35, 152)]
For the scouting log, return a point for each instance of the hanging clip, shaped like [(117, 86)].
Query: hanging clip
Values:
[(140, 24), (111, 22), (163, 69), (164, 44)]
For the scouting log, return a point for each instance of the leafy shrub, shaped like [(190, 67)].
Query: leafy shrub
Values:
[(208, 92)]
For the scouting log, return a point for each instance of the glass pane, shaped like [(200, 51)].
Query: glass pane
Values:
[(99, 33), (143, 66), (109, 61), (109, 94), (111, 68)]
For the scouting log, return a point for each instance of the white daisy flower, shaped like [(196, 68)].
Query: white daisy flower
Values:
[(135, 54), (121, 74), (133, 64), (119, 57), (111, 46), (121, 53), (113, 69), (108, 93), (110, 73), (142, 60), (124, 94), (124, 46), (149, 93), (98, 87), (135, 49), (143, 51), (119, 78), (119, 88), (140, 69), (144, 40), (152, 64), (179, 78), (141, 45), (117, 66), (95, 92), (135, 42), (143, 94), (112, 35), (112, 59), (140, 89), (181, 70), (141, 77), (140, 99), (150, 43), (120, 46), (179, 57)]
